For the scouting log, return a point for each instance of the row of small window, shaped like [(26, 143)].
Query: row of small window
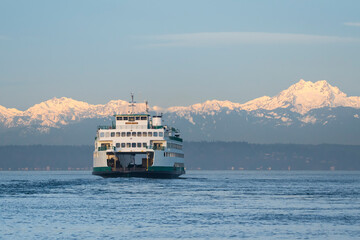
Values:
[(131, 134), (131, 119), (131, 145), (171, 154), (174, 145)]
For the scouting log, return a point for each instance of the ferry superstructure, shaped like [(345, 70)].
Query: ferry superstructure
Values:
[(138, 145)]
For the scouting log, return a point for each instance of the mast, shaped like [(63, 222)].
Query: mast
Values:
[(132, 103), (147, 107)]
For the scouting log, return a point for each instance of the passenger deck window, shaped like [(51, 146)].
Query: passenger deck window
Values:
[(131, 119), (123, 134), (128, 145), (139, 134), (107, 134), (137, 118), (143, 118), (134, 145), (119, 118), (139, 145), (161, 134), (117, 134), (150, 134), (101, 134), (117, 145), (144, 134), (144, 145), (155, 134), (112, 134), (122, 145), (125, 118), (134, 134), (128, 134)]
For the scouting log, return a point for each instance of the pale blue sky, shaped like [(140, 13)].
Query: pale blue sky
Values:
[(174, 52)]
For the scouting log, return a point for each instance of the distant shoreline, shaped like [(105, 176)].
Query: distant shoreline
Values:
[(236, 156)]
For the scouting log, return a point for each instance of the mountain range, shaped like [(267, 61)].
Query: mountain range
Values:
[(305, 113)]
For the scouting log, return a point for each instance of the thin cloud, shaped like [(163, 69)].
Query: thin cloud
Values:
[(353, 24), (237, 38)]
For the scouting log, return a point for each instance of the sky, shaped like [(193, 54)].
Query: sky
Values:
[(174, 53)]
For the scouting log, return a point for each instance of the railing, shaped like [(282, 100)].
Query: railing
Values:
[(176, 139), (104, 148), (155, 148), (107, 127)]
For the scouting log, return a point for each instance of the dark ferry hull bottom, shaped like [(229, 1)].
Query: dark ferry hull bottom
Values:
[(155, 172)]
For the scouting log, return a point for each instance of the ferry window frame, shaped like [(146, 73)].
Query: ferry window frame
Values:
[(102, 134), (128, 134), (117, 145), (143, 118), (155, 134), (149, 134), (139, 134), (144, 134), (112, 134), (119, 118), (125, 118), (145, 145), (117, 134), (122, 145), (161, 134), (128, 145), (131, 119), (133, 145), (137, 118), (107, 134), (139, 145), (123, 134), (133, 134)]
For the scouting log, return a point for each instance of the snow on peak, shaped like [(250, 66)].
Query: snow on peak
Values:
[(57, 106), (8, 112), (119, 107), (300, 97), (60, 111), (206, 107), (303, 96)]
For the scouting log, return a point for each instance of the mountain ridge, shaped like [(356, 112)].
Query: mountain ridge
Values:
[(301, 97)]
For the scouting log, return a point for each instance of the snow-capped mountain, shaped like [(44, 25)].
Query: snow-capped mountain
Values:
[(294, 115), (300, 97), (62, 111), (303, 97)]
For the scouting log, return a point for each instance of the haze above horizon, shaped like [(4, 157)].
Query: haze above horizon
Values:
[(174, 53)]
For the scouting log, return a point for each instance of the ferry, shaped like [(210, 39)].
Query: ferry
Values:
[(138, 145)]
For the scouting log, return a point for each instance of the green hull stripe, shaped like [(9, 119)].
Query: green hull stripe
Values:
[(101, 169), (157, 169), (166, 169)]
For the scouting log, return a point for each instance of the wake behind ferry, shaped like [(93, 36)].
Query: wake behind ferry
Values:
[(138, 145)]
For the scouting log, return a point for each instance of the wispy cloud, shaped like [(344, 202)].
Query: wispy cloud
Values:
[(353, 24), (237, 38)]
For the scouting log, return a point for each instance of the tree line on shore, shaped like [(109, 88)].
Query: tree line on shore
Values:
[(198, 155)]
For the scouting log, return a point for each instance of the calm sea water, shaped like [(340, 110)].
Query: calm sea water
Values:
[(202, 205)]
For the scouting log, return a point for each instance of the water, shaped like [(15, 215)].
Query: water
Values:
[(202, 205)]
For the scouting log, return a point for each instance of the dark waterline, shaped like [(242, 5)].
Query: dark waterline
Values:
[(201, 204)]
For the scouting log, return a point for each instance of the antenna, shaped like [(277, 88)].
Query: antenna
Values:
[(132, 103)]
